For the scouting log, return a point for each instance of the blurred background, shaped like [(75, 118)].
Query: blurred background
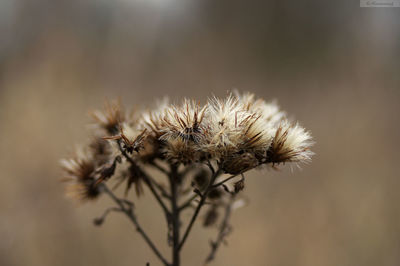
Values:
[(330, 64)]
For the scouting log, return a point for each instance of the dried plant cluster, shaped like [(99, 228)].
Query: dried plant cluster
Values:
[(203, 151)]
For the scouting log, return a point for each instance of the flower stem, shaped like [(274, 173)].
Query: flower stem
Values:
[(197, 211), (175, 216), (130, 214)]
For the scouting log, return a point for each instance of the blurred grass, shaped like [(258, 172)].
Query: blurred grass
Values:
[(334, 66)]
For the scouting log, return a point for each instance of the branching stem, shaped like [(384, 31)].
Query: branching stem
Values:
[(188, 202), (147, 181), (224, 181), (128, 211), (175, 216), (201, 203), (224, 230)]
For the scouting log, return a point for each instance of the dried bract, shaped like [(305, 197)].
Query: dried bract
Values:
[(131, 138)]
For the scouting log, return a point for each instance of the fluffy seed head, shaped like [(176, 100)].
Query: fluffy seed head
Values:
[(238, 135), (226, 118), (180, 151), (291, 143), (80, 175), (270, 112), (153, 120), (235, 134), (110, 118), (184, 122), (101, 150)]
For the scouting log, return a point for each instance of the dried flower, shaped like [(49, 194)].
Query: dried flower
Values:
[(184, 122), (238, 136), (224, 119), (224, 136), (291, 143), (270, 111), (101, 150), (150, 150), (182, 132), (239, 132), (111, 117), (179, 151), (81, 176), (153, 120)]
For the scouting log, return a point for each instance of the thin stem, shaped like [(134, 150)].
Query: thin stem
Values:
[(224, 230), (99, 220), (209, 164), (146, 179), (130, 214), (201, 203), (175, 217), (188, 202), (224, 181)]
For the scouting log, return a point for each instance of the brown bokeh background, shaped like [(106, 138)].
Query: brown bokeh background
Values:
[(332, 65)]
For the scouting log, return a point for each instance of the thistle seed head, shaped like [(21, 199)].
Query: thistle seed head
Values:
[(236, 134), (291, 143)]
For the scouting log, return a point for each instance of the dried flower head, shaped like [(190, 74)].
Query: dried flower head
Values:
[(183, 131), (270, 112), (180, 151), (224, 120), (193, 145), (153, 120), (184, 122), (110, 118), (81, 176), (291, 143), (237, 133), (102, 151)]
